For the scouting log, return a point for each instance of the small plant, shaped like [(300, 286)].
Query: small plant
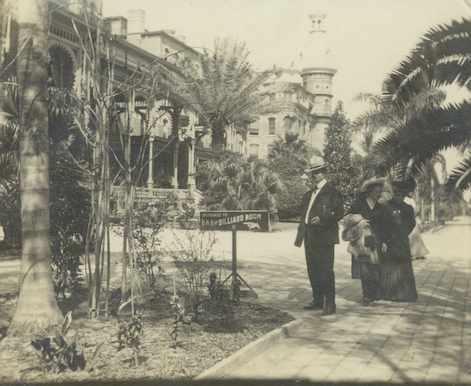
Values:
[(178, 313), (220, 300), (58, 355), (129, 336)]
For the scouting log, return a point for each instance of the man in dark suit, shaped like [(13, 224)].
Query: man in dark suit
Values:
[(321, 210)]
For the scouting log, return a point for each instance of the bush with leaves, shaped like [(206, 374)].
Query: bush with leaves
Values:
[(58, 355), (129, 336), (191, 252), (149, 220), (229, 181), (289, 157), (69, 195), (341, 171), (178, 317), (221, 302)]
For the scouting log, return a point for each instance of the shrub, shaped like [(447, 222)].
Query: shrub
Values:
[(58, 355), (221, 302), (178, 314), (129, 336), (191, 255), (149, 219)]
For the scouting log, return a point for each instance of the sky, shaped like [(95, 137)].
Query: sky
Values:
[(367, 38)]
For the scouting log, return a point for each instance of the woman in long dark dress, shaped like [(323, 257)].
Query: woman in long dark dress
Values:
[(367, 205), (397, 275)]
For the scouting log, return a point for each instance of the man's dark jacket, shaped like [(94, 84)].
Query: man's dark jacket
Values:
[(328, 205)]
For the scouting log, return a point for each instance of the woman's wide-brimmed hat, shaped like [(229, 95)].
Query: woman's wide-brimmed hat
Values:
[(372, 182), (316, 164)]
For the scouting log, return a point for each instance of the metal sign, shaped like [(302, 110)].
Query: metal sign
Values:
[(241, 219)]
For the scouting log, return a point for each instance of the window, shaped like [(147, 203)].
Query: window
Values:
[(184, 120), (327, 105), (287, 123), (61, 68), (253, 151), (271, 126), (253, 131)]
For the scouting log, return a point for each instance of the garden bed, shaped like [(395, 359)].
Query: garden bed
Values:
[(198, 347)]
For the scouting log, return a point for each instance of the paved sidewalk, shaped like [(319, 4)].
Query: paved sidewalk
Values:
[(428, 341)]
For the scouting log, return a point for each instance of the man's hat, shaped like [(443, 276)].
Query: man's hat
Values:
[(316, 164)]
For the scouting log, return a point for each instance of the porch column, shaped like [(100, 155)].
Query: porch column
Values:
[(191, 183), (150, 179), (175, 166)]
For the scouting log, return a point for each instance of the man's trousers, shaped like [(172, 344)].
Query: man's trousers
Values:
[(320, 269)]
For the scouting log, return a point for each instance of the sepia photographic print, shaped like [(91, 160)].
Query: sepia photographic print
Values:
[(251, 192)]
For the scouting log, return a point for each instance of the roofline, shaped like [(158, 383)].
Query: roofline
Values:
[(162, 32)]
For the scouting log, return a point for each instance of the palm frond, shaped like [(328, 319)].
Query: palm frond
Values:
[(420, 139), (442, 57), (459, 179)]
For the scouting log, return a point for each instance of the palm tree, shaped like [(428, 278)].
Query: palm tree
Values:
[(293, 148), (383, 115), (37, 309), (235, 184), (289, 157), (441, 58), (429, 185), (224, 89)]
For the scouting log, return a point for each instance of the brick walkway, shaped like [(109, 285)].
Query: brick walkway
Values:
[(424, 341)]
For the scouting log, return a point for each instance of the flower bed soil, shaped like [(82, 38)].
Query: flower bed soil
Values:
[(199, 345)]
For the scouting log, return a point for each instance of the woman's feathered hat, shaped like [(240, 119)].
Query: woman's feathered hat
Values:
[(401, 186)]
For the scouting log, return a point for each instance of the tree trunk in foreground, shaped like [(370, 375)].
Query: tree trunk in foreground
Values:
[(37, 309)]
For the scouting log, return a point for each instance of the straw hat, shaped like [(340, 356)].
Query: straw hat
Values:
[(367, 185), (316, 164)]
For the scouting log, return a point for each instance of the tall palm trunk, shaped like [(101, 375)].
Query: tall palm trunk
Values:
[(37, 308)]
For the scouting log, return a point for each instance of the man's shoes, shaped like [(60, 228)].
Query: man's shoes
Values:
[(314, 306), (328, 310), (366, 302)]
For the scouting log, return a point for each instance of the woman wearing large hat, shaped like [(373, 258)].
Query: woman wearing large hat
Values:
[(397, 276), (367, 205)]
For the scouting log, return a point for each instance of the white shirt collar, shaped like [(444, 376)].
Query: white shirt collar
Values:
[(321, 184), (371, 203)]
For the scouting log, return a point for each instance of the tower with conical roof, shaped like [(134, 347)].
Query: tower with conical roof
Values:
[(317, 73)]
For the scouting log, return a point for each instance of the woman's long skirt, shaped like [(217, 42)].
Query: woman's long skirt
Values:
[(417, 246), (397, 280)]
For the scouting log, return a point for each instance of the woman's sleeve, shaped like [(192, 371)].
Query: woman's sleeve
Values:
[(409, 221)]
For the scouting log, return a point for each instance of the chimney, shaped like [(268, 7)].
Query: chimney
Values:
[(118, 25), (136, 23)]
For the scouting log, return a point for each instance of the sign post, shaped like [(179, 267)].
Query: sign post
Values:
[(235, 220)]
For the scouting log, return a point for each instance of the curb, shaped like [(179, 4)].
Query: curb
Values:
[(250, 351), (440, 228)]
